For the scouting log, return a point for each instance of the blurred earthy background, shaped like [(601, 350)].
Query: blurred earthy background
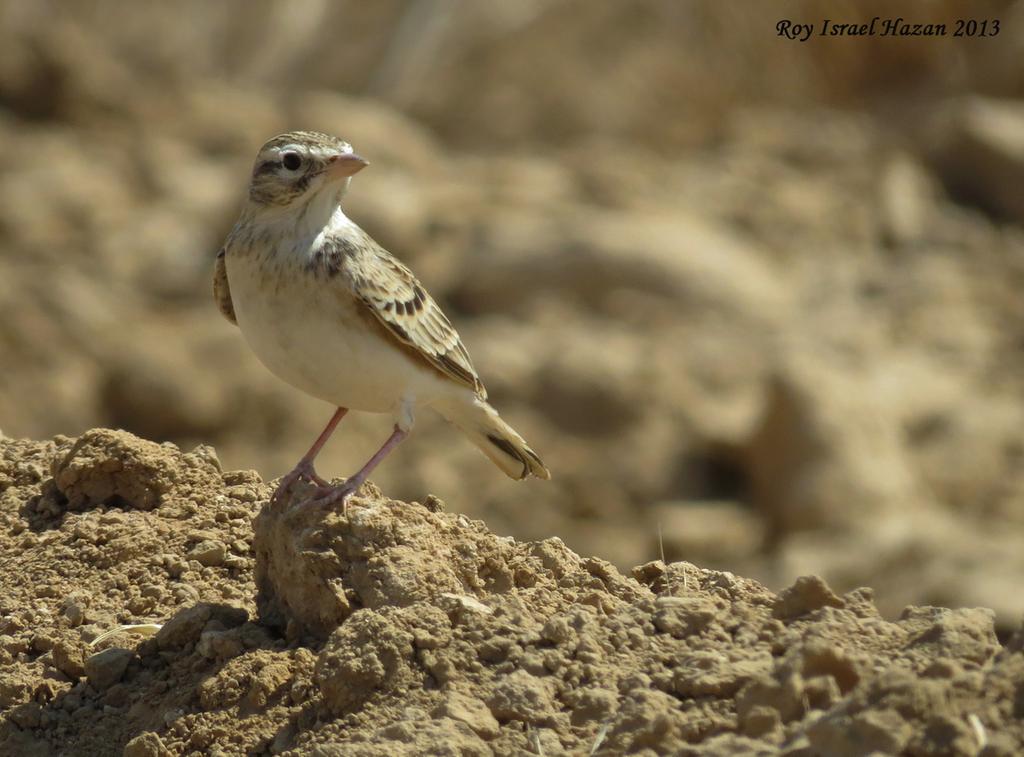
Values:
[(757, 302)]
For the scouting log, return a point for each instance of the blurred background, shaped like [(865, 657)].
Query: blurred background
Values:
[(756, 302)]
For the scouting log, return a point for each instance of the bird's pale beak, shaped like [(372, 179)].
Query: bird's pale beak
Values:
[(346, 164)]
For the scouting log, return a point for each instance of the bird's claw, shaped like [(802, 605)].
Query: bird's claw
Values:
[(304, 471), (326, 496)]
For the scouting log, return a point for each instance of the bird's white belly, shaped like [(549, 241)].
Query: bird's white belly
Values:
[(308, 332)]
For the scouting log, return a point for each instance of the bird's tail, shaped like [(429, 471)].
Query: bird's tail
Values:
[(495, 438)]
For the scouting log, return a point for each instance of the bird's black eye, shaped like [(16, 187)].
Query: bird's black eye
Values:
[(291, 160)]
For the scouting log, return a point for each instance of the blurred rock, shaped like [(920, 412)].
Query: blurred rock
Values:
[(825, 442), (590, 256), (707, 533), (982, 482), (979, 151), (171, 388), (907, 200)]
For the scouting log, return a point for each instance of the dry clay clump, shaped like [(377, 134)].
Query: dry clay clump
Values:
[(107, 467), (314, 568)]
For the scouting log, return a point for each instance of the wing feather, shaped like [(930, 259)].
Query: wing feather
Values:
[(399, 302), (221, 291)]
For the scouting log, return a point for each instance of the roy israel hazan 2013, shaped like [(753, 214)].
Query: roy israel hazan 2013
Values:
[(877, 27)]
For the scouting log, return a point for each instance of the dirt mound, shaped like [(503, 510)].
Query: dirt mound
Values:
[(406, 629)]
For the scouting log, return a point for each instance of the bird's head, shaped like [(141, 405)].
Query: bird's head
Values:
[(294, 168)]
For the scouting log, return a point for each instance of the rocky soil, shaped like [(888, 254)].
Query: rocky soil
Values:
[(402, 628)]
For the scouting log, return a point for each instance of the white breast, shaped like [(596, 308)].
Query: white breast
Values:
[(310, 333)]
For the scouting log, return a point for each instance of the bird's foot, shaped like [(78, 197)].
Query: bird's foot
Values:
[(303, 471), (326, 496)]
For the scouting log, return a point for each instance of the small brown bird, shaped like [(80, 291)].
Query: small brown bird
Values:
[(331, 312)]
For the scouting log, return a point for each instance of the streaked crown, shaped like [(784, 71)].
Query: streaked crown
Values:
[(292, 165)]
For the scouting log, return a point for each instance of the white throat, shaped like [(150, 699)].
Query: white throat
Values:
[(320, 213)]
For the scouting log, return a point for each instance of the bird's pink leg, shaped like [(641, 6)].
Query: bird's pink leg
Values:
[(342, 493), (304, 469)]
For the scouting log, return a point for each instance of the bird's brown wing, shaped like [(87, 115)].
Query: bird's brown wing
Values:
[(399, 302), (221, 291)]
